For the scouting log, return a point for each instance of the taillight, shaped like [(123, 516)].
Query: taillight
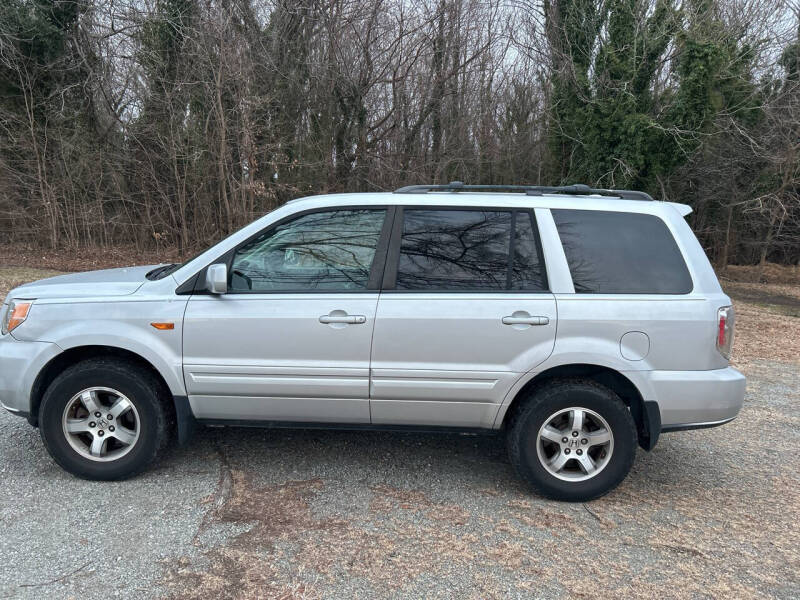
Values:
[(725, 322)]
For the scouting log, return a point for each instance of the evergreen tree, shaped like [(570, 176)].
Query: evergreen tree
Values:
[(611, 124)]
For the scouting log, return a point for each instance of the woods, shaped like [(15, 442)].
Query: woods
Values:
[(174, 122)]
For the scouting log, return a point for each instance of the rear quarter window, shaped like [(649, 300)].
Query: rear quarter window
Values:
[(621, 253)]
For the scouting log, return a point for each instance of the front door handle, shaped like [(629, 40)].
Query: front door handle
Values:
[(516, 319), (339, 316)]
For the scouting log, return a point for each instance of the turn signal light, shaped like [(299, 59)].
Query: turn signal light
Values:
[(16, 314), (163, 326)]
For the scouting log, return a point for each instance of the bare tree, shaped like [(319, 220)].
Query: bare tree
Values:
[(174, 122)]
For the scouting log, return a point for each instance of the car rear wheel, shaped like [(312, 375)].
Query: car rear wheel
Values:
[(572, 440), (103, 419)]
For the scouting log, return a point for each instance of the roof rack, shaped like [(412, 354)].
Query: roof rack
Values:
[(577, 189)]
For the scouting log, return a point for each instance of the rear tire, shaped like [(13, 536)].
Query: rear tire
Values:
[(104, 419), (572, 439)]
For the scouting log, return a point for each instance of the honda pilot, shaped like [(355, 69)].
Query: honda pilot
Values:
[(579, 323)]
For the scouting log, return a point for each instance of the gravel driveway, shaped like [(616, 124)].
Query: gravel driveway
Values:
[(246, 513)]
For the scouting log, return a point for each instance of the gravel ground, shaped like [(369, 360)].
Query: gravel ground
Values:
[(245, 513)]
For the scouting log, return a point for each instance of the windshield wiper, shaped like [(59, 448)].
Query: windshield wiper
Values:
[(162, 271)]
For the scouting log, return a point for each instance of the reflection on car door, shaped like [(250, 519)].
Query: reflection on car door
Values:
[(464, 313), (290, 341)]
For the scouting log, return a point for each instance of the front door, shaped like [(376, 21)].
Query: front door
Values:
[(465, 312), (290, 340)]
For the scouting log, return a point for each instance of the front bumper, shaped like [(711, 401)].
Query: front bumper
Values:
[(20, 363), (696, 399)]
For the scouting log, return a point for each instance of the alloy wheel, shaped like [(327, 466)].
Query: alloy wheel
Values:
[(575, 444), (101, 424)]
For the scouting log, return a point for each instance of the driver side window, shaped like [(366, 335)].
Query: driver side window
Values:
[(331, 250)]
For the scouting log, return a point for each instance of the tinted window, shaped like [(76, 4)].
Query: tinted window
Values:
[(318, 251), (621, 253), (527, 269), (466, 250)]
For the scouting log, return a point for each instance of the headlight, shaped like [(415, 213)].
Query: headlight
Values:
[(16, 314)]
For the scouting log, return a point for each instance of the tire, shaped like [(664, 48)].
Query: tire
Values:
[(549, 411), (130, 443)]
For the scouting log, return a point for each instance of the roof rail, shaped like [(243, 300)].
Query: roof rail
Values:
[(577, 189)]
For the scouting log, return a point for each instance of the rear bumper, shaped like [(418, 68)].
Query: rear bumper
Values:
[(696, 399)]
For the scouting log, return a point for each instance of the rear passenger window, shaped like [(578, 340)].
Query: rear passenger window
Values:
[(621, 253), (468, 250)]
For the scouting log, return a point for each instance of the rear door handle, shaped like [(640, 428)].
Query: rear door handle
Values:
[(512, 320), (348, 319)]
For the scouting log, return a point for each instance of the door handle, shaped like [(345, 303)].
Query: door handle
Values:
[(347, 319), (514, 320)]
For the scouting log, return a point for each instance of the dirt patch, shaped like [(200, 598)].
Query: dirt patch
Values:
[(770, 295), (772, 273), (388, 498), (555, 521), (767, 322), (273, 510), (273, 514), (86, 259), (405, 535), (763, 333)]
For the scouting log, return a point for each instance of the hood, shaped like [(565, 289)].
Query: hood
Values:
[(108, 282)]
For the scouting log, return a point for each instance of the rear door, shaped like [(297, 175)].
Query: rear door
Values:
[(464, 311)]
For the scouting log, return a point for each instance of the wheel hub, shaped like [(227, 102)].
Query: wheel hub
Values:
[(101, 424), (574, 444)]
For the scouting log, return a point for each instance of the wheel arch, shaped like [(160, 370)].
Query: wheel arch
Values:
[(645, 414), (77, 354)]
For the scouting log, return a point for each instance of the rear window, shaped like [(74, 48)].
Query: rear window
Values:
[(621, 253)]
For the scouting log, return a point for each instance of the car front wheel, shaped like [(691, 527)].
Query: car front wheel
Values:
[(103, 419)]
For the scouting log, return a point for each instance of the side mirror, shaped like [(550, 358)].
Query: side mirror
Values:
[(217, 279)]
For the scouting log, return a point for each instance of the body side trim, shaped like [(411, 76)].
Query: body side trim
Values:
[(346, 426), (691, 426)]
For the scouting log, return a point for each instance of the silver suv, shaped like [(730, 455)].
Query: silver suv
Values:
[(579, 323)]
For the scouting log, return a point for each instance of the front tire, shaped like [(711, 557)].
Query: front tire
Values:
[(573, 440), (103, 419)]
